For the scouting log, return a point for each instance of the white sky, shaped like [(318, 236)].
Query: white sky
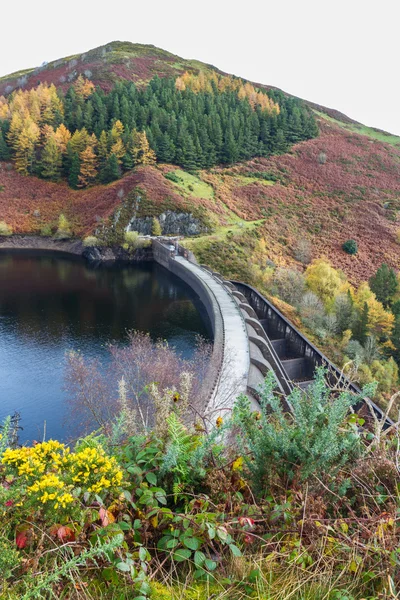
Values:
[(342, 54)]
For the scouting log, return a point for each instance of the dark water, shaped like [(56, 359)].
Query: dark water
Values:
[(51, 304)]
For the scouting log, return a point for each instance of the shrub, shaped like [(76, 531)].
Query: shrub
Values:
[(172, 176), (314, 438), (131, 241), (46, 231), (289, 285), (302, 251), (90, 241), (156, 227), (64, 228), (312, 311), (350, 246), (5, 229)]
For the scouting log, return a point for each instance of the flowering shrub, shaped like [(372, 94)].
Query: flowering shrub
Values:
[(56, 477)]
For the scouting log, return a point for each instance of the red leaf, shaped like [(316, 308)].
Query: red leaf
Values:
[(65, 534), (21, 539)]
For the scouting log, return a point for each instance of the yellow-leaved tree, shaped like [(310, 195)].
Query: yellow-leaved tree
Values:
[(380, 321), (88, 171), (325, 281), (142, 153)]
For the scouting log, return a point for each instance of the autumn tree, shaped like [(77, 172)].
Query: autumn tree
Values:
[(142, 153), (156, 227), (88, 170), (83, 87), (324, 280), (24, 146)]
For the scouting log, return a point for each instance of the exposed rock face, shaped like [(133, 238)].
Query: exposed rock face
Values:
[(100, 254), (172, 223)]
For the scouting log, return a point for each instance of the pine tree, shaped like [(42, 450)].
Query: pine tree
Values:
[(111, 171), (74, 170), (384, 284), (4, 149), (360, 329)]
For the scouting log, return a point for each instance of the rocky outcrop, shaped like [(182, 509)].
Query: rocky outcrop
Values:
[(172, 223), (99, 254)]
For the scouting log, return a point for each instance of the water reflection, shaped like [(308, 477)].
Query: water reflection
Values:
[(50, 304)]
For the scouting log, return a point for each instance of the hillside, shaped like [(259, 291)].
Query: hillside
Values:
[(342, 184), (104, 66)]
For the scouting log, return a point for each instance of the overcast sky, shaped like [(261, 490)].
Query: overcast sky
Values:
[(342, 54)]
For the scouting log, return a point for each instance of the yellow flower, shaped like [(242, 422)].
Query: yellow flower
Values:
[(219, 421), (237, 464)]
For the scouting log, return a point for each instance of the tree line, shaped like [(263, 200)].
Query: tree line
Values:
[(87, 135)]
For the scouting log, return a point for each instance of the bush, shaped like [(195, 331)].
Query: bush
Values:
[(46, 231), (131, 241), (90, 241), (350, 246), (289, 285), (156, 227), (302, 251), (314, 438), (64, 228), (5, 229), (312, 311), (172, 176)]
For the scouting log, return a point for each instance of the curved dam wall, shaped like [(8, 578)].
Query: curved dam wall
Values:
[(230, 362)]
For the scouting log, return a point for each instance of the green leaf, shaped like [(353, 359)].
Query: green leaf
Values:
[(211, 565), (235, 550), (199, 558), (151, 478), (211, 533), (182, 554), (191, 542), (122, 566), (172, 543), (142, 554), (124, 525)]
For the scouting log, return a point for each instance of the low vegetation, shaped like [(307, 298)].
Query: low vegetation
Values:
[(5, 229), (300, 505)]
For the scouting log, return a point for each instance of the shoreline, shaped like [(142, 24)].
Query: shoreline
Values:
[(74, 247)]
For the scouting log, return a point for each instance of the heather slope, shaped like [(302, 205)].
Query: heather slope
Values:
[(104, 66), (352, 192)]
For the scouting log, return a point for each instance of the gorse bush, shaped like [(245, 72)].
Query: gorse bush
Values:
[(56, 478), (312, 438)]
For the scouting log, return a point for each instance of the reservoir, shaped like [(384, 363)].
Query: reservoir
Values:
[(51, 304)]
